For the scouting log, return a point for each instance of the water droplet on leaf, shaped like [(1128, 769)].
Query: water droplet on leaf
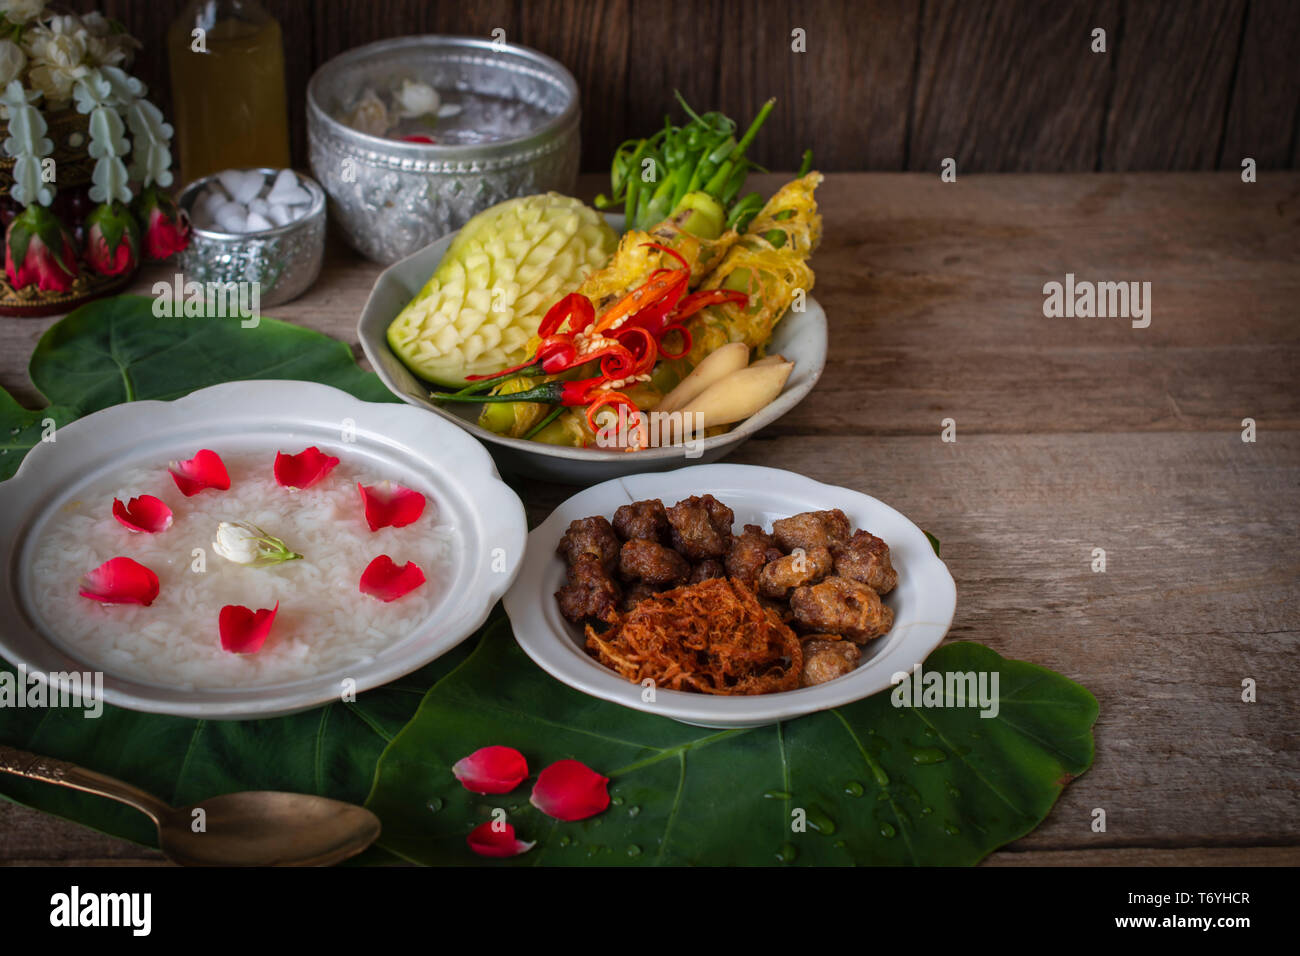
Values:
[(820, 822)]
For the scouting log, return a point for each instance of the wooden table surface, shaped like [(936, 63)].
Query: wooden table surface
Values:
[(1071, 434)]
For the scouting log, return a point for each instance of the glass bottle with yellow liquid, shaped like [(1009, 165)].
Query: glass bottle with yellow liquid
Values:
[(227, 72)]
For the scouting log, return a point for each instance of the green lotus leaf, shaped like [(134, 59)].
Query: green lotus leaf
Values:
[(116, 350), (870, 783)]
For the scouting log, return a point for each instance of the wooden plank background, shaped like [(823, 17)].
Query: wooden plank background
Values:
[(883, 85)]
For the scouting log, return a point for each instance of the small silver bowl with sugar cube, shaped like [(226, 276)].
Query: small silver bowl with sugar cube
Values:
[(259, 226)]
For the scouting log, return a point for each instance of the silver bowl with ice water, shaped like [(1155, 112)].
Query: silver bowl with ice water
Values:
[(515, 133), (279, 244)]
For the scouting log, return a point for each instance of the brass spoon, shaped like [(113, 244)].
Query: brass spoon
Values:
[(253, 828)]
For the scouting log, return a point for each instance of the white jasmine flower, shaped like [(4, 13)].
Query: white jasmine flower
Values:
[(58, 56), (247, 544), (96, 24), (369, 115), (106, 43), (12, 61), (417, 99), (21, 11)]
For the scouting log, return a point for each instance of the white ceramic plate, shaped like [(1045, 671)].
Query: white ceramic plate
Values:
[(923, 602), (800, 336), (417, 450)]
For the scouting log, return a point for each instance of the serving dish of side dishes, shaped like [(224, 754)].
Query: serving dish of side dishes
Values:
[(800, 336), (888, 632)]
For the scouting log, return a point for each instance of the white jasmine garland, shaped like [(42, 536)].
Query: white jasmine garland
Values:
[(27, 144), (106, 94), (108, 143), (69, 60), (151, 157)]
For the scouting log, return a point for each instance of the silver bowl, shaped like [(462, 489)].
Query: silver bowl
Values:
[(392, 198), (284, 261)]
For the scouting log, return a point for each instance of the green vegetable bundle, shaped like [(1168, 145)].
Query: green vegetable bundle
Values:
[(699, 167)]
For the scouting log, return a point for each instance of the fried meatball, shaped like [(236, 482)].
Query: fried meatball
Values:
[(642, 519), (778, 578), (825, 659), (865, 558), (706, 569), (841, 606), (700, 527), (748, 553), (635, 594), (590, 593), (592, 536), (811, 529), (651, 562)]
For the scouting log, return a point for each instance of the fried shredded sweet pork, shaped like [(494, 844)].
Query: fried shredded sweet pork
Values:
[(712, 637)]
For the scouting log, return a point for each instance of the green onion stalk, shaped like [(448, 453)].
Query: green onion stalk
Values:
[(699, 168)]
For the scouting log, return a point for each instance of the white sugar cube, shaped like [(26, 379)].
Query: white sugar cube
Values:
[(287, 191), (205, 209), (284, 179), (242, 185), (231, 217), (280, 214), (212, 197)]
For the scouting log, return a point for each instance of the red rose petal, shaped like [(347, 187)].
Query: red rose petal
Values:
[(243, 630), (385, 580), (144, 514), (204, 470), (570, 790), (120, 581), (491, 770), (303, 469), (390, 507), (500, 842)]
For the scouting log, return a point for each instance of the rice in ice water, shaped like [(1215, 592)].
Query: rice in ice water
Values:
[(325, 624)]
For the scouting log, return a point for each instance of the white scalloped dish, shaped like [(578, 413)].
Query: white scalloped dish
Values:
[(328, 638), (923, 602)]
